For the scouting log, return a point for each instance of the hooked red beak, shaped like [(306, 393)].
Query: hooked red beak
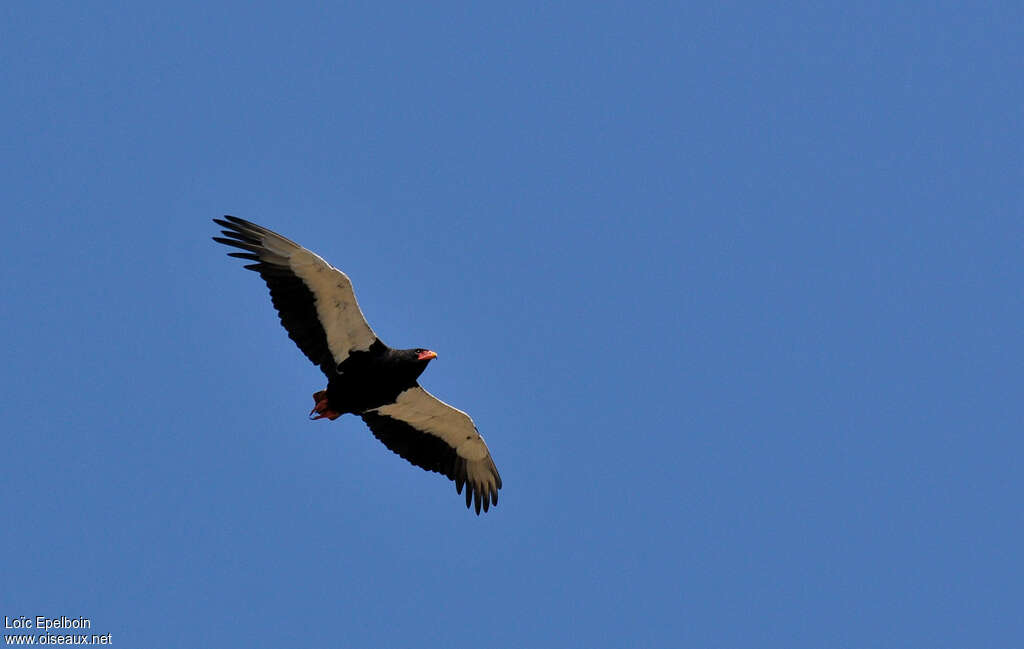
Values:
[(426, 355)]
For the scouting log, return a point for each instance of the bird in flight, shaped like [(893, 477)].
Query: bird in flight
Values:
[(365, 377)]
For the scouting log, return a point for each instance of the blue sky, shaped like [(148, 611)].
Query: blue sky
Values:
[(733, 291)]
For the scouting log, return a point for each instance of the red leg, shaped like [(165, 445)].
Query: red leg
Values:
[(322, 408)]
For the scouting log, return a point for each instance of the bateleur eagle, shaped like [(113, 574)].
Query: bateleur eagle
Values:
[(365, 377)]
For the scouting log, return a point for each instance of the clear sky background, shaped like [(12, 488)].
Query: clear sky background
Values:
[(734, 293)]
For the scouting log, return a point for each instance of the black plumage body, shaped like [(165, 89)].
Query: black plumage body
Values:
[(371, 379)]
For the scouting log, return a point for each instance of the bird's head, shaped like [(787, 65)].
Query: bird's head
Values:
[(407, 364), (424, 355), (410, 363), (417, 359)]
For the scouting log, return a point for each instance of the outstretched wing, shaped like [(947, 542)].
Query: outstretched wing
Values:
[(437, 437), (316, 302)]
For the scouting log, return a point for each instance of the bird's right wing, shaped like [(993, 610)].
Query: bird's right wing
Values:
[(437, 437), (315, 301)]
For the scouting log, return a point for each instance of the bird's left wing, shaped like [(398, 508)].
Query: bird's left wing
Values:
[(316, 302), (437, 437)]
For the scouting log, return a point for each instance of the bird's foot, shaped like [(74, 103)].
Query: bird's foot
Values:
[(321, 408)]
